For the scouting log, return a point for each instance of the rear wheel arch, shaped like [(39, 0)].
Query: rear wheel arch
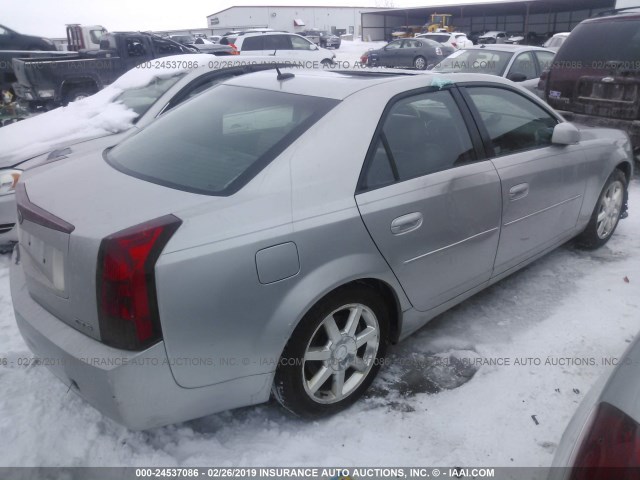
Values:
[(70, 88), (392, 301), (293, 380), (388, 293), (625, 168)]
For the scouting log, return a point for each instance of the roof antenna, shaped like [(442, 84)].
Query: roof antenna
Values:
[(284, 76)]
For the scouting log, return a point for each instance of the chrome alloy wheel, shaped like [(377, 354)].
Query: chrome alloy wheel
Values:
[(609, 211), (340, 353)]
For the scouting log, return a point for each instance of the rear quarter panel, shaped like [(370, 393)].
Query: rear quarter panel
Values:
[(212, 304)]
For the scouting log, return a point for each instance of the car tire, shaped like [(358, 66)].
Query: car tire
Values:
[(606, 214), (326, 365), (420, 63), (78, 94)]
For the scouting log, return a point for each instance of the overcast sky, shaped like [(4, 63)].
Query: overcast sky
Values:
[(49, 17)]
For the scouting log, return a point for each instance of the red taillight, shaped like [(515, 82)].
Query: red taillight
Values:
[(127, 305), (611, 447), (234, 50), (542, 80)]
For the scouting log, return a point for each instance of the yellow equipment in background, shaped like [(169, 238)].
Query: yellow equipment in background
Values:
[(440, 22)]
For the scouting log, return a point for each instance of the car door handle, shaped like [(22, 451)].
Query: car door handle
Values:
[(406, 223), (518, 192)]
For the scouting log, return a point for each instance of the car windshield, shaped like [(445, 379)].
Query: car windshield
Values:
[(216, 145), (586, 46), (141, 99), (491, 62)]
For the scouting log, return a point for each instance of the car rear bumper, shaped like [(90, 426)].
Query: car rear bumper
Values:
[(136, 389), (632, 127)]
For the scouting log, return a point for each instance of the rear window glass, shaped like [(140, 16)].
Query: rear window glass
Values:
[(586, 45), (491, 62), (252, 44), (438, 38), (216, 145)]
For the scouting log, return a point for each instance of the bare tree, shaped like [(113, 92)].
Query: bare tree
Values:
[(385, 3)]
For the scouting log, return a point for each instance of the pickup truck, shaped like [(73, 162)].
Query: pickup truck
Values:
[(50, 81), (7, 77)]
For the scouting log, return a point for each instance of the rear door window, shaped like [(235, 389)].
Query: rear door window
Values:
[(135, 47), (215, 145), (545, 59), (422, 134), (300, 43), (163, 47), (253, 44), (523, 64), (277, 42)]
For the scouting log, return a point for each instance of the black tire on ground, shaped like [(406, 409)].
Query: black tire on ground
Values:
[(420, 63), (594, 236), (293, 375)]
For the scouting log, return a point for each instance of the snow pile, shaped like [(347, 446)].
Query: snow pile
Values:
[(92, 117)]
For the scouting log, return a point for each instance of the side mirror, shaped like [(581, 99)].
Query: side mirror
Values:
[(314, 46), (565, 133), (517, 77)]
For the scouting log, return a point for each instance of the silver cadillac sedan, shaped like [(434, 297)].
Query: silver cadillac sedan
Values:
[(277, 232)]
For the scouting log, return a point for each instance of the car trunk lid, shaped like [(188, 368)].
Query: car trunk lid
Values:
[(60, 236)]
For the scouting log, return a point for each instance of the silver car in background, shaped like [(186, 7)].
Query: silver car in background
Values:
[(522, 64), (279, 232)]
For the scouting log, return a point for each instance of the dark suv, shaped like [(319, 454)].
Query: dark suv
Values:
[(595, 77), (10, 40), (325, 39)]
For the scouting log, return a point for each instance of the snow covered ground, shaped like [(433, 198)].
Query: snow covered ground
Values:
[(492, 382)]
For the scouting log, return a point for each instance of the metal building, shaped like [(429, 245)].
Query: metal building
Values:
[(338, 20), (541, 17)]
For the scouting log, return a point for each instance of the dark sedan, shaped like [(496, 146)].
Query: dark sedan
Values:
[(10, 40), (409, 52)]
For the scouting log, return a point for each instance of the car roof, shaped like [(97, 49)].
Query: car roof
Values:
[(506, 47), (616, 14), (339, 84)]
